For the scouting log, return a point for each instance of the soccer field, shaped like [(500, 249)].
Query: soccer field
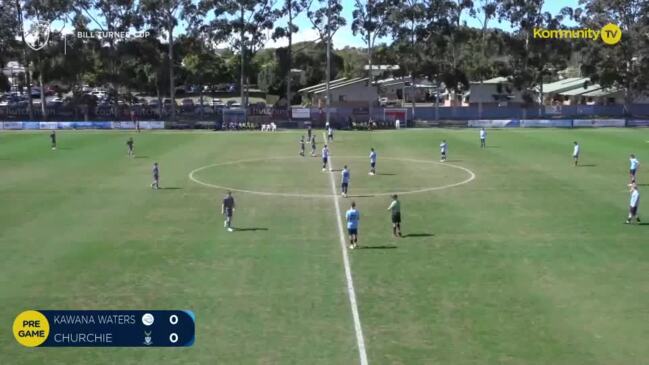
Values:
[(511, 254)]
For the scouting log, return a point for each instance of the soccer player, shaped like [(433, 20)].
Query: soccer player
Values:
[(53, 139), (395, 209), (633, 168), (633, 204), (156, 176), (308, 133), (313, 146), (483, 138), (129, 144), (227, 209), (325, 157), (330, 134), (352, 216), (443, 148), (575, 153), (346, 176), (302, 146), (372, 162)]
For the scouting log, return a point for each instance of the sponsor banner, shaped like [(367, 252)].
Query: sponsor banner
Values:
[(597, 123), (65, 125), (102, 125), (301, 113), (31, 125), (48, 125), (494, 123), (12, 125), (546, 123), (638, 123), (123, 125), (152, 125)]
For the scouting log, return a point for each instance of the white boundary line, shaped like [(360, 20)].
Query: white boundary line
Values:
[(348, 271), (471, 177)]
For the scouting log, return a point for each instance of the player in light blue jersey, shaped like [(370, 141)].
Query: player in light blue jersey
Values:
[(634, 203), (344, 185), (352, 217), (633, 167), (325, 157), (443, 149), (372, 162), (575, 153)]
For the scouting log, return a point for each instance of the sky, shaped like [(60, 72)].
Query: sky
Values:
[(344, 36)]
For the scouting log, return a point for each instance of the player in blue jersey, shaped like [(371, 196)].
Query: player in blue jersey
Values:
[(633, 167), (156, 176), (372, 162), (325, 157), (346, 176), (352, 217)]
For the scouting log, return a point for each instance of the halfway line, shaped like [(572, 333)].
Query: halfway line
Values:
[(348, 271)]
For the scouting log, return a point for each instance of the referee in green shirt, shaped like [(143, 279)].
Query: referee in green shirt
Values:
[(395, 209)]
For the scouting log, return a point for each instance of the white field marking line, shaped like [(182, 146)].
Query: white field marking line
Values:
[(348, 271), (471, 177)]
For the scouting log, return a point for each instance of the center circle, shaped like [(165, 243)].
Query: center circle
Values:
[(390, 170)]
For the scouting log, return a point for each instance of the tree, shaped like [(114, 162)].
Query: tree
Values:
[(163, 16), (243, 23), (291, 9), (408, 27), (624, 65), (326, 20), (47, 11), (531, 59), (114, 16), (204, 67), (371, 20)]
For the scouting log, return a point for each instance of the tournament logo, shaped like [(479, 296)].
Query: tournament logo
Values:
[(37, 35)]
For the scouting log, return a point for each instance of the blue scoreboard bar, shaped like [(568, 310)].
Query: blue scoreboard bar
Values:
[(105, 328)]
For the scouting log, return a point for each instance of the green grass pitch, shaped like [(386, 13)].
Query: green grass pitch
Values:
[(529, 263)]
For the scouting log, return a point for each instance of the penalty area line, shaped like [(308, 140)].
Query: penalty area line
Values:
[(348, 271)]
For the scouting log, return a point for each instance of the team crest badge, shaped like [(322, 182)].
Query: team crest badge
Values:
[(37, 35)]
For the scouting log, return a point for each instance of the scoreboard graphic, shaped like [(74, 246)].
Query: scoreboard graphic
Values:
[(105, 328)]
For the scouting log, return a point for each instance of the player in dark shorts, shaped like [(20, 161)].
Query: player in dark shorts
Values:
[(308, 133), (395, 212), (227, 209), (302, 146), (156, 176), (129, 144), (313, 146), (53, 139)]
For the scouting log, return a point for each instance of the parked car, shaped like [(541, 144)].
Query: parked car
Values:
[(154, 103), (54, 102), (187, 102)]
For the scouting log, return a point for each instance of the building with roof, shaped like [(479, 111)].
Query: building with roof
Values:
[(498, 91), (355, 92), (580, 90)]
